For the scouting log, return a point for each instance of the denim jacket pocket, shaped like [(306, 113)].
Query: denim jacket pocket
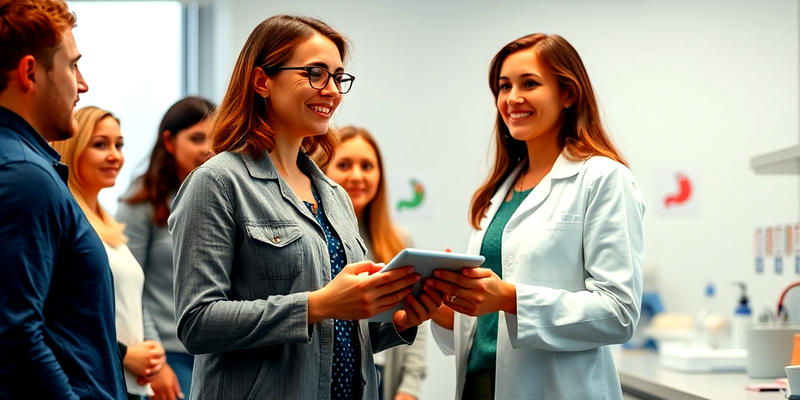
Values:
[(260, 386), (277, 248)]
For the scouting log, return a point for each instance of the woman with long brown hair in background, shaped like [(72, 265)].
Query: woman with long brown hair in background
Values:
[(181, 146), (559, 220), (358, 168)]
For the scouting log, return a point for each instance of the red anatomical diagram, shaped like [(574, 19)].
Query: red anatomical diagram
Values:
[(684, 192)]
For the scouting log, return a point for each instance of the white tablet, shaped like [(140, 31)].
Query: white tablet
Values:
[(424, 263)]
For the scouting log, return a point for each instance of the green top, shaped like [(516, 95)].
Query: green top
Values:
[(484, 347)]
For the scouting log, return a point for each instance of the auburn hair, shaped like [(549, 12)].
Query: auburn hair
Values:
[(581, 135), (240, 123), (31, 27), (109, 230), (160, 179), (386, 240)]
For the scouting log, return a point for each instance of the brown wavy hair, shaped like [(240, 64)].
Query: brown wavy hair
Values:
[(160, 180), (31, 27), (240, 124), (582, 134), (386, 241)]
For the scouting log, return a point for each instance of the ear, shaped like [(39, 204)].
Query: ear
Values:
[(167, 136), (571, 98), (261, 82), (26, 72)]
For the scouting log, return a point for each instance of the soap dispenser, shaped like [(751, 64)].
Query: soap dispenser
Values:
[(742, 317)]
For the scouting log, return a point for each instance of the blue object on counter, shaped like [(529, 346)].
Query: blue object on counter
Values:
[(651, 305)]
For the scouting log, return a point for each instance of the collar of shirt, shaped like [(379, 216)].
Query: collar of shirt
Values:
[(14, 124)]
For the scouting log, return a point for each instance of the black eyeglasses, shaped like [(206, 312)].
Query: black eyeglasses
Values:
[(318, 78)]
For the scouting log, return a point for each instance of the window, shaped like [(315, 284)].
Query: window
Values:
[(133, 62)]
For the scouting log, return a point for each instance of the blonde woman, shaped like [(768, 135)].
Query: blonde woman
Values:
[(358, 168), (94, 156)]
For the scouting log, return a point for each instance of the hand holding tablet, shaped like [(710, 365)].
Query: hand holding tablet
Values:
[(424, 263)]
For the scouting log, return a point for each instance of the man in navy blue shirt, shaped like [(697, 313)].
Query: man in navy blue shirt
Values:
[(57, 338)]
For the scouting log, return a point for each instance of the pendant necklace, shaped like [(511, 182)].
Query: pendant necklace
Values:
[(518, 194)]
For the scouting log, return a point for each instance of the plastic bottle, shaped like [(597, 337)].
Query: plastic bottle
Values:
[(702, 335), (742, 317)]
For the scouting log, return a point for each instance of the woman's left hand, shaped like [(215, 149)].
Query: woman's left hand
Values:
[(475, 291), (415, 311)]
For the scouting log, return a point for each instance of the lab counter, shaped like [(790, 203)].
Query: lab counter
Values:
[(642, 376)]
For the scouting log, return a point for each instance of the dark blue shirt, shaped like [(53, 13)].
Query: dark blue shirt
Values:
[(57, 335)]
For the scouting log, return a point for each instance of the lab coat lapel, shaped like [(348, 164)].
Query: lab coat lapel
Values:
[(536, 197), (562, 168)]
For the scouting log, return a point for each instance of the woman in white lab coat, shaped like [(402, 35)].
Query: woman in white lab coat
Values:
[(559, 220)]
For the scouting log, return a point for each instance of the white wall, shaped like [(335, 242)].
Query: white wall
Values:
[(684, 84)]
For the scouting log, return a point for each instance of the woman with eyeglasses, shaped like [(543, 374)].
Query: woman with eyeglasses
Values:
[(94, 156), (559, 220), (271, 289), (180, 147)]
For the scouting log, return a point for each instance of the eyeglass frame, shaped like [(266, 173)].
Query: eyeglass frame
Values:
[(328, 79)]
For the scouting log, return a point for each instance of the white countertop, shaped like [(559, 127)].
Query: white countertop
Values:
[(641, 370)]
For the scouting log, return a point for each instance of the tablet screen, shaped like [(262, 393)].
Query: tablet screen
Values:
[(424, 263)]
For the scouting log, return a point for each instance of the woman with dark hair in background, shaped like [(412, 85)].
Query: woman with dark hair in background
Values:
[(94, 156), (358, 168), (559, 220), (270, 287), (181, 146)]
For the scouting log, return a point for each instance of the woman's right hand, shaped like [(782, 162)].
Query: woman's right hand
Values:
[(353, 296), (145, 360)]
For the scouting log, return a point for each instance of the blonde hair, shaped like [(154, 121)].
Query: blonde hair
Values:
[(109, 230)]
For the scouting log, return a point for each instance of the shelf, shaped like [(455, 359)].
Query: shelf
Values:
[(781, 162)]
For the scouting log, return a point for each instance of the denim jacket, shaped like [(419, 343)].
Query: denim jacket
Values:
[(247, 252)]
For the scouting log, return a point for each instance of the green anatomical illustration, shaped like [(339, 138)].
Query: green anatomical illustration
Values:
[(414, 202)]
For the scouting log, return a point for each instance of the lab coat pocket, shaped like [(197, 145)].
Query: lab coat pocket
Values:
[(553, 251)]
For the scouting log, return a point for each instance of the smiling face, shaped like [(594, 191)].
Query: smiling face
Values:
[(60, 90), (101, 160), (530, 100), (294, 107), (357, 170)]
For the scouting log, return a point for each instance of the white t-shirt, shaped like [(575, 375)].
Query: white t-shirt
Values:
[(128, 287)]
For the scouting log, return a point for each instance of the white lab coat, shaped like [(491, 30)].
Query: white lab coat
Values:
[(573, 249)]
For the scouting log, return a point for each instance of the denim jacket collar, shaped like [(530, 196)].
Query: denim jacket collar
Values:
[(263, 168)]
